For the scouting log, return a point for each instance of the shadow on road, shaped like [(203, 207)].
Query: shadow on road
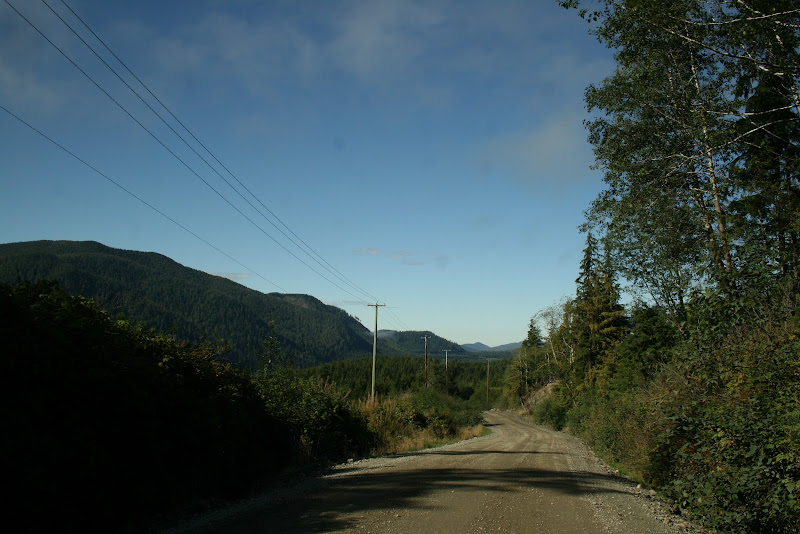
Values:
[(333, 504), (434, 452)]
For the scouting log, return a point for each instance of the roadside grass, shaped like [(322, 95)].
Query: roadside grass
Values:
[(425, 439), (420, 420)]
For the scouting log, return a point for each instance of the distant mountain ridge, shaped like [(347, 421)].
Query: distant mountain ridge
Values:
[(481, 347), (412, 343), (153, 289)]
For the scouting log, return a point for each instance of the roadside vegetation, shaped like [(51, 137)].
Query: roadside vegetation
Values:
[(109, 426), (694, 386)]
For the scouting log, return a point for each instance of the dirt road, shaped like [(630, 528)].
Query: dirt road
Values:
[(521, 478)]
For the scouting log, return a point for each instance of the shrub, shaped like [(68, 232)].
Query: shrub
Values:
[(733, 449), (108, 424), (322, 422), (551, 411)]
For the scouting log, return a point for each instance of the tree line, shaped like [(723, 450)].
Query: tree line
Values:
[(193, 305), (113, 426), (693, 387)]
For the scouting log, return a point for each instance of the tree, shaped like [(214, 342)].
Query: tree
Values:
[(531, 367), (600, 317), (696, 135)]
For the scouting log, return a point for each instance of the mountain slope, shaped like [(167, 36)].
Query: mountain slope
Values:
[(411, 343), (481, 347), (157, 291), (474, 347)]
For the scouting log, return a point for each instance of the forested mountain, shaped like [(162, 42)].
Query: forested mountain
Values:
[(412, 343), (193, 305), (482, 347)]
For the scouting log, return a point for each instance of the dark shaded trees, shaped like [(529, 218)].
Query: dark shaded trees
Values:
[(106, 424)]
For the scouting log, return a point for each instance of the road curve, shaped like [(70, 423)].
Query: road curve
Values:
[(520, 478)]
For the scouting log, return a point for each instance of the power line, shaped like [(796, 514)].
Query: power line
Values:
[(159, 141), (134, 195), (308, 250), (402, 324), (305, 248)]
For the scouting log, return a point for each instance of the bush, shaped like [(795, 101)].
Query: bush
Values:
[(442, 413), (551, 411), (732, 453), (323, 423), (109, 424)]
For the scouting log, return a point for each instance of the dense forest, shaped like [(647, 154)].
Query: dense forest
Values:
[(482, 382), (154, 290), (693, 388), (118, 427)]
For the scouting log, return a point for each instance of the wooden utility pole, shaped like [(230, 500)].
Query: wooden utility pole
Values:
[(374, 346), (487, 380), (446, 392), (426, 360)]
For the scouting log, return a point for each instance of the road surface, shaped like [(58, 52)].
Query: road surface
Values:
[(522, 478)]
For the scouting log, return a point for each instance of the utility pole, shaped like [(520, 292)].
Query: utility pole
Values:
[(426, 360), (375, 346), (487, 380), (446, 392)]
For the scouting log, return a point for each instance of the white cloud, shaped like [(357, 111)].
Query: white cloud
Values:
[(418, 49), (384, 38), (25, 59), (555, 154)]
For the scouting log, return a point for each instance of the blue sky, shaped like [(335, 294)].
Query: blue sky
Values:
[(431, 152)]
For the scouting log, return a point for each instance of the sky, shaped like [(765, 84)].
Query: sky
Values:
[(428, 155)]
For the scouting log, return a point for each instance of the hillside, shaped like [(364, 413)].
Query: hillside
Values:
[(411, 343), (162, 294), (482, 347)]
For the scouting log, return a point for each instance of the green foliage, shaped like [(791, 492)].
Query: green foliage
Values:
[(391, 420), (323, 424), (531, 367), (646, 347), (732, 450), (396, 375), (111, 424), (552, 411), (697, 133), (410, 343), (95, 405), (154, 290), (442, 413)]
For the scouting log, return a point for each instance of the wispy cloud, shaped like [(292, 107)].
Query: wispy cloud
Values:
[(368, 252), (408, 258), (25, 61), (555, 154), (383, 38), (425, 50)]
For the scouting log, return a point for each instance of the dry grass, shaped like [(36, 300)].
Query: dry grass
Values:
[(427, 439), (396, 423)]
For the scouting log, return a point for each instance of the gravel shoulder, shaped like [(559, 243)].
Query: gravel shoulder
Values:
[(520, 478)]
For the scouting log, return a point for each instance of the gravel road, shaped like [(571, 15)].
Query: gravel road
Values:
[(520, 478)]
